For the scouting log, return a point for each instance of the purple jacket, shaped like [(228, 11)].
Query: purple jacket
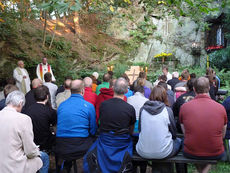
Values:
[(147, 92)]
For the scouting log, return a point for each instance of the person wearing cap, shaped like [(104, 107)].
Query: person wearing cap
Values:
[(96, 75)]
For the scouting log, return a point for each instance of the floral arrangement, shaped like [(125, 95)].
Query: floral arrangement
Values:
[(161, 2), (163, 55)]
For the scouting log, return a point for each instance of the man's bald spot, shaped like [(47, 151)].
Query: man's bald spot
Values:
[(201, 85), (106, 77), (44, 60), (21, 64), (36, 83), (77, 86), (88, 81)]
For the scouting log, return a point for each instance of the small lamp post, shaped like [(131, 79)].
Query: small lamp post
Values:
[(196, 48)]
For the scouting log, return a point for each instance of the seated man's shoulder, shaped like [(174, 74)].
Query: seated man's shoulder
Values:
[(60, 95), (22, 117), (109, 103), (87, 104), (54, 85)]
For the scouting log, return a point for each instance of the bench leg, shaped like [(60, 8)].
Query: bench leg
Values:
[(162, 167), (75, 166), (226, 143), (141, 164), (181, 168)]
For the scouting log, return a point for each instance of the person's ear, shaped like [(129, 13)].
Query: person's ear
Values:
[(83, 91), (47, 98)]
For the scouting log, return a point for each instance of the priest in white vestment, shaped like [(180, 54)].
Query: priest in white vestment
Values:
[(22, 78), (43, 68)]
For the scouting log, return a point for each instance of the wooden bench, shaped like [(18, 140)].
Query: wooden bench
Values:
[(167, 165)]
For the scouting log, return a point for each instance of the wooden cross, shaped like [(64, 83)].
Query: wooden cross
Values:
[(133, 73)]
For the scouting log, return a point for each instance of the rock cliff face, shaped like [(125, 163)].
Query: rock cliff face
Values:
[(176, 36), (182, 37), (172, 37)]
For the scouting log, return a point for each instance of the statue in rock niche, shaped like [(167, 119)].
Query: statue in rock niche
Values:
[(219, 36)]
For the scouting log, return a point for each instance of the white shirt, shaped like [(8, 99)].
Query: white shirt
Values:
[(169, 76), (52, 89), (137, 101)]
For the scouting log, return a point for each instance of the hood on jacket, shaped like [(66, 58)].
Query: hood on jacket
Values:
[(106, 93), (154, 107)]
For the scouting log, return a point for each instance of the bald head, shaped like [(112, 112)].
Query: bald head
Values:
[(201, 85), (44, 60), (21, 64), (36, 83), (87, 81), (106, 77), (77, 86)]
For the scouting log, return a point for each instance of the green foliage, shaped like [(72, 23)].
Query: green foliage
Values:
[(62, 68), (141, 64), (152, 76), (93, 47), (60, 44), (221, 167), (143, 31), (120, 69), (227, 24), (224, 76), (60, 56), (220, 58), (81, 74), (8, 28), (60, 6)]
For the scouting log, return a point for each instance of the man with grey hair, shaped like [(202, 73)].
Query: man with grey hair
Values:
[(18, 151), (203, 122), (116, 114), (76, 124), (22, 77), (175, 80), (117, 119), (7, 90), (89, 95)]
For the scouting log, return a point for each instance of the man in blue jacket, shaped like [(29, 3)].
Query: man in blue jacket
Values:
[(76, 124)]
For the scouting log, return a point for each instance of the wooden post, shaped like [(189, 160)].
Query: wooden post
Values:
[(208, 61)]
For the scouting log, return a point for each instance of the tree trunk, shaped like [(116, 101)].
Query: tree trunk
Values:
[(76, 22), (44, 30), (57, 18)]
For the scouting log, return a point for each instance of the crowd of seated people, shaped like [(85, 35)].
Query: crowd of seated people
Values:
[(106, 122)]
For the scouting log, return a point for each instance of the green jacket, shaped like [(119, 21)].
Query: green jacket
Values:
[(103, 85)]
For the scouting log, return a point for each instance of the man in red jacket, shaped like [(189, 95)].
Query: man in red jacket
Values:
[(89, 95)]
